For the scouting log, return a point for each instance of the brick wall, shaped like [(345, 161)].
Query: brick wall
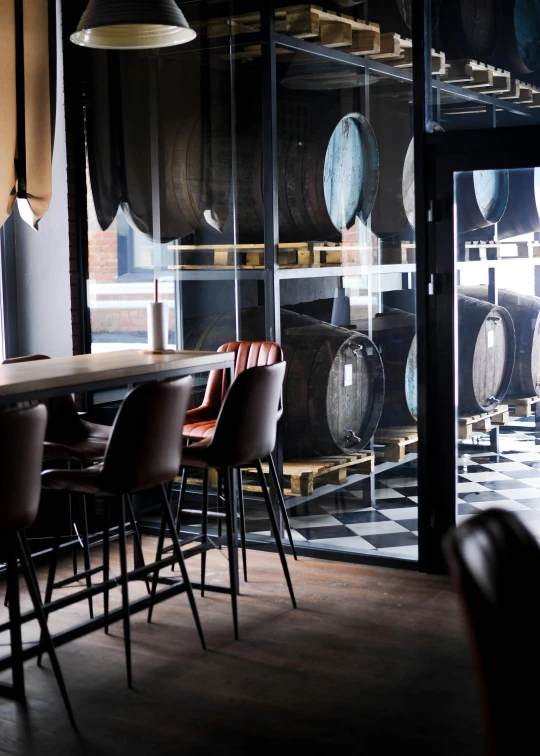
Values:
[(102, 248)]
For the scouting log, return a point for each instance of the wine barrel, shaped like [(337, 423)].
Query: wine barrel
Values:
[(394, 335), (334, 386), (470, 28), (519, 49), (481, 198), (396, 15), (486, 348), (525, 312), (391, 121), (327, 173), (522, 214)]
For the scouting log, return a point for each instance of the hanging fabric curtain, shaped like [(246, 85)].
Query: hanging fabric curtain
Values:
[(27, 97)]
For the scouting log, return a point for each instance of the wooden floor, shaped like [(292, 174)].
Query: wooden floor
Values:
[(372, 659)]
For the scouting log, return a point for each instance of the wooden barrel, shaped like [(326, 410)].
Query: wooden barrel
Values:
[(525, 312), (396, 15), (486, 354), (391, 121), (394, 335), (481, 198), (470, 28), (334, 386), (522, 214), (327, 173), (519, 49)]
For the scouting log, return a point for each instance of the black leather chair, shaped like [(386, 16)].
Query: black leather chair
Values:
[(22, 432), (245, 433), (144, 451), (495, 565)]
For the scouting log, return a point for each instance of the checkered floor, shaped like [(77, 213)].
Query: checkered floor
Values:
[(380, 515)]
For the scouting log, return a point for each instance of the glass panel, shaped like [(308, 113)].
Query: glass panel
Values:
[(347, 286), (497, 222)]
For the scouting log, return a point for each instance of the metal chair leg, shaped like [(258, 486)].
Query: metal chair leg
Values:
[(275, 530), (106, 560), (155, 575), (26, 546), (282, 506), (231, 545), (181, 499), (180, 558), (124, 582), (51, 576), (218, 507), (47, 640), (15, 622), (86, 551), (204, 528), (242, 513), (137, 542)]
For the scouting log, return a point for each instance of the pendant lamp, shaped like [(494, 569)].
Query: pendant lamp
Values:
[(132, 25)]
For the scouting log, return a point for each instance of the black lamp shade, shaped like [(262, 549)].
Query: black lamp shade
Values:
[(132, 24)]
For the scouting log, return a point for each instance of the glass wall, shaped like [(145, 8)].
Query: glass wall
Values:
[(184, 163)]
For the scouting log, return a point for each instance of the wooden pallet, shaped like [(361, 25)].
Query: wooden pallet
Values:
[(397, 442), (251, 256), (473, 425), (473, 74), (300, 476), (481, 250), (304, 21), (524, 407), (400, 253), (397, 51)]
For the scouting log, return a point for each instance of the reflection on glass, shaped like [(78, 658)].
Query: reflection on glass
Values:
[(498, 355)]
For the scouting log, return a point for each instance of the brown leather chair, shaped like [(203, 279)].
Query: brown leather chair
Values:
[(245, 433), (144, 451), (201, 423), (22, 432), (495, 565)]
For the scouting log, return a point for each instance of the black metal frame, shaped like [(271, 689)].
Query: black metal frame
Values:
[(446, 154)]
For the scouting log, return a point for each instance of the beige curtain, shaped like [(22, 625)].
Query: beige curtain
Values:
[(37, 112), (8, 110)]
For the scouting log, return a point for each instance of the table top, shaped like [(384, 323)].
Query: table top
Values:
[(42, 378)]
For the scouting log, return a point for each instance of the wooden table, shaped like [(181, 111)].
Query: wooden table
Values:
[(24, 381), (27, 381)]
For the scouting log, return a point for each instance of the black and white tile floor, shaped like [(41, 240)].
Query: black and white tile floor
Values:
[(381, 516)]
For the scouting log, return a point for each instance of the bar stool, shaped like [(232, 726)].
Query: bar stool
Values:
[(22, 432), (245, 433), (72, 439), (201, 423), (144, 452)]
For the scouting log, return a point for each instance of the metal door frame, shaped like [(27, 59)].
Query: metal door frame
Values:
[(444, 154)]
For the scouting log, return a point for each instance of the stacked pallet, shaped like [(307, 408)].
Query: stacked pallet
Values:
[(481, 250), (251, 256)]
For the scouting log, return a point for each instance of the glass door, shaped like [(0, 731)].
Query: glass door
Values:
[(498, 342), (483, 334)]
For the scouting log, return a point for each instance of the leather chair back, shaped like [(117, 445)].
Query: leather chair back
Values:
[(145, 447), (246, 425), (495, 565), (64, 424), (22, 432), (248, 354)]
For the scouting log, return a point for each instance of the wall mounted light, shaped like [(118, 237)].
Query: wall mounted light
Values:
[(132, 25)]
